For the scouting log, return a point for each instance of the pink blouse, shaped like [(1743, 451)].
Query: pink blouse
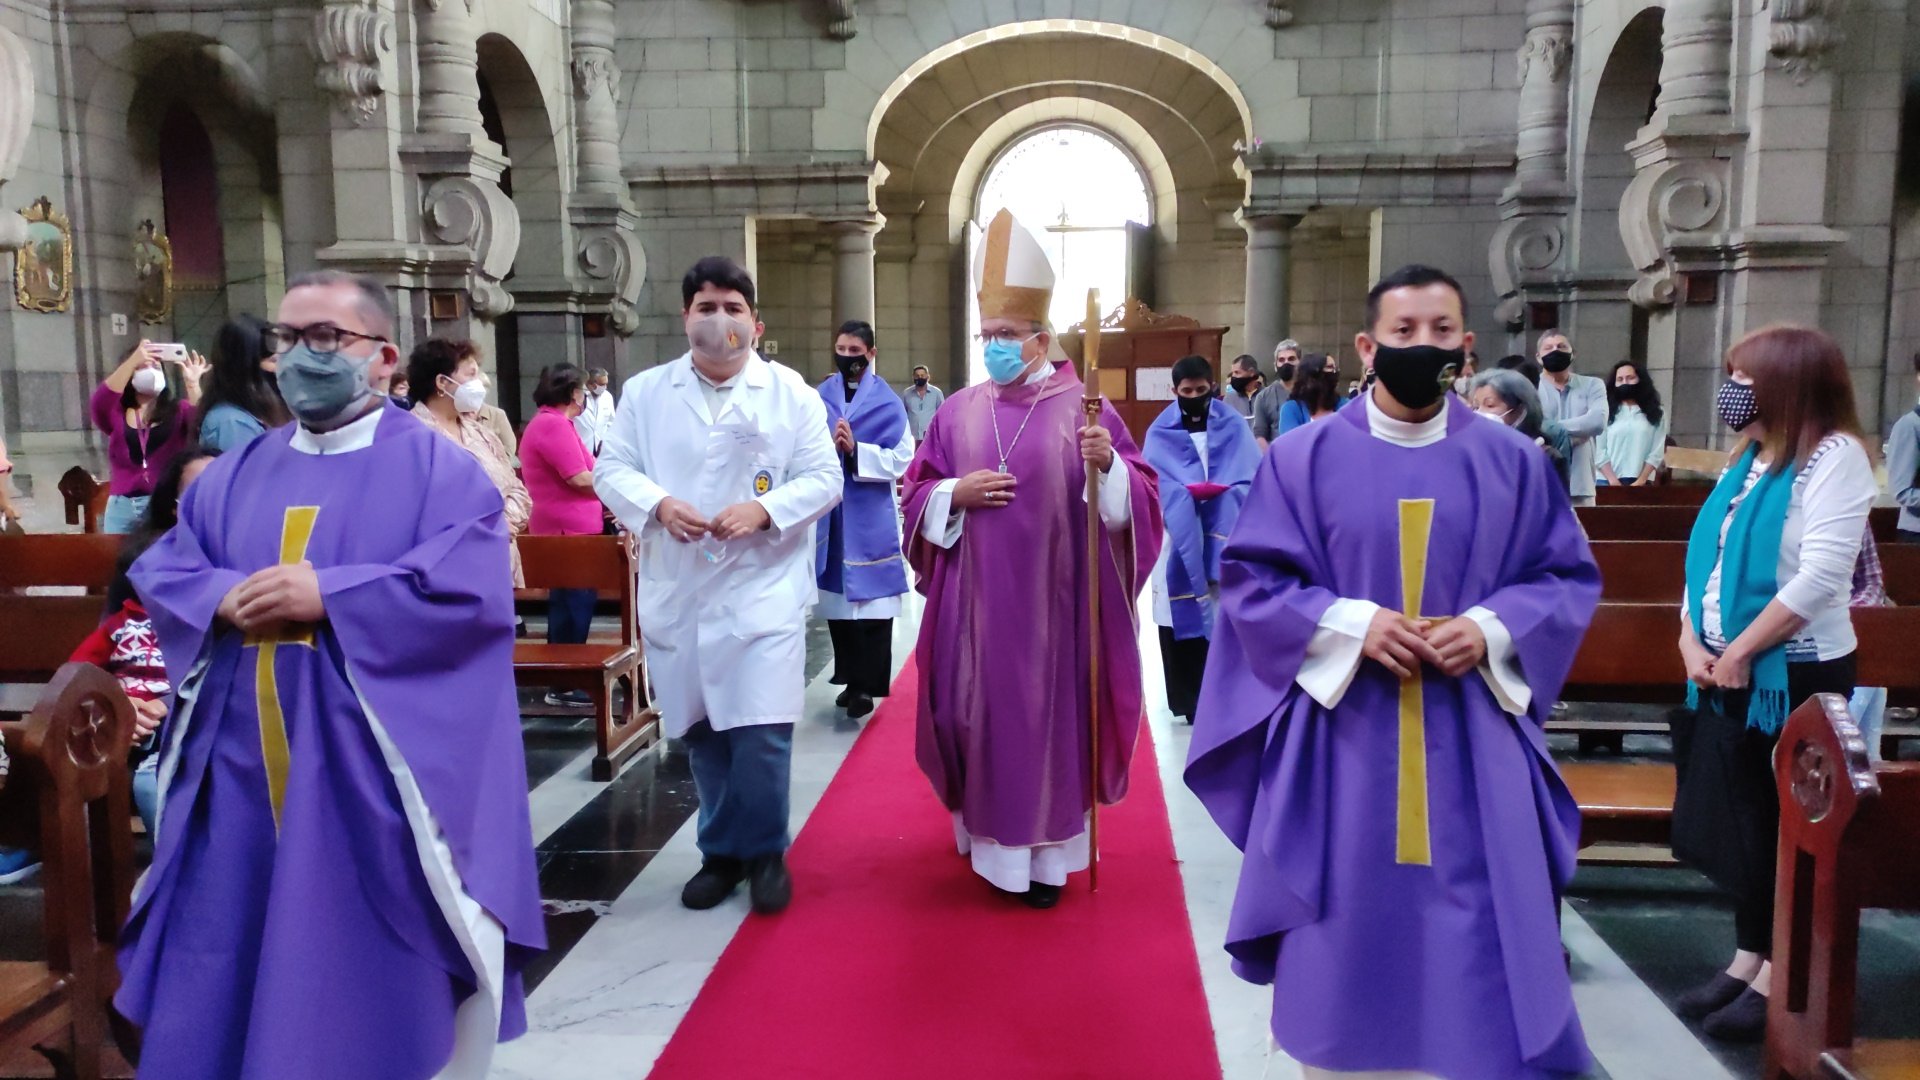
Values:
[(550, 453)]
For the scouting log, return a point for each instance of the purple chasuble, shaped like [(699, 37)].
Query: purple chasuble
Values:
[(857, 550), (1004, 642), (1452, 969), (334, 942)]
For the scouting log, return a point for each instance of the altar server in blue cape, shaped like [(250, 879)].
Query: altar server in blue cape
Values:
[(1205, 454), (343, 883), (862, 574)]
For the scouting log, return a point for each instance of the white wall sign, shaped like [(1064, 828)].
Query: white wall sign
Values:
[(1153, 384)]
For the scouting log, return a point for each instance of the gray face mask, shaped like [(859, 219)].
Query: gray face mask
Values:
[(719, 338), (320, 387)]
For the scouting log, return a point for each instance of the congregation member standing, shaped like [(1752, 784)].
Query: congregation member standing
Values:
[(923, 400), (145, 426), (1268, 404), (558, 472), (596, 410), (720, 462), (1205, 456), (1243, 385), (862, 574), (451, 391), (240, 401), (1399, 606), (1578, 404), (344, 843), (1903, 467), (1316, 392), (1634, 445), (1764, 626), (997, 518), (1506, 397)]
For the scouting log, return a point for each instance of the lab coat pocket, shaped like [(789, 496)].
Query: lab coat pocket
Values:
[(765, 608)]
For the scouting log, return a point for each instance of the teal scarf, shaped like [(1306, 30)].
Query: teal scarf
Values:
[(1748, 569)]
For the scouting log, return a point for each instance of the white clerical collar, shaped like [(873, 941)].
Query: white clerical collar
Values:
[(355, 436), (1405, 432)]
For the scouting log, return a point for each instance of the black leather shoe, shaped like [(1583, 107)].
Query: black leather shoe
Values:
[(859, 705), (1709, 997), (845, 697), (770, 884), (1041, 896), (1744, 1021), (715, 882)]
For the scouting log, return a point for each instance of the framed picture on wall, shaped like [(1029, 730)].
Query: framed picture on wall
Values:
[(152, 274), (43, 267)]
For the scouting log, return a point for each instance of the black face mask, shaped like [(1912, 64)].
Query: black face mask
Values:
[(1286, 372), (1240, 383), (920, 382), (851, 367), (1627, 392), (1193, 412), (1557, 361), (1417, 375)]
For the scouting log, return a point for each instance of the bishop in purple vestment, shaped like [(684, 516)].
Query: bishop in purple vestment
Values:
[(343, 883), (997, 518), (1406, 835)]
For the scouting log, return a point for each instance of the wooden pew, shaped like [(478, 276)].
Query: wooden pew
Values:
[(1630, 653), (39, 633), (605, 563), (1655, 571), (1676, 522), (1652, 495), (85, 498), (1848, 834), (69, 795)]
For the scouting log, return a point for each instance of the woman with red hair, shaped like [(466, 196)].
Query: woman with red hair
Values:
[(1764, 626)]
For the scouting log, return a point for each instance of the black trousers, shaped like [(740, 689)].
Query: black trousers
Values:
[(1726, 819), (862, 654), (1184, 662)]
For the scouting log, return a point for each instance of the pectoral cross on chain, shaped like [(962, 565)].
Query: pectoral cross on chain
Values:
[(1413, 844), (296, 530)]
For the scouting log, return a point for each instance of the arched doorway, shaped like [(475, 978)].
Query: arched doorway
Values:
[(1605, 324), (1087, 201)]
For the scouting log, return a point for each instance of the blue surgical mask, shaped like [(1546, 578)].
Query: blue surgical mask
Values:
[(1004, 362), (320, 387)]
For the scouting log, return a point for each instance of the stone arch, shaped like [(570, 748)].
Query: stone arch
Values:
[(936, 128), (121, 121), (1027, 31), (1622, 99), (537, 179)]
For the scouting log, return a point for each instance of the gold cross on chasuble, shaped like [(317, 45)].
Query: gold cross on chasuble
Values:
[(296, 529), (1412, 838)]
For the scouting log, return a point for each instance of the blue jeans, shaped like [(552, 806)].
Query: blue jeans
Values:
[(743, 777), (570, 615), (146, 793), (124, 512)]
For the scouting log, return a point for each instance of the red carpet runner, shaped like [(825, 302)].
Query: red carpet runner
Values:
[(896, 962)]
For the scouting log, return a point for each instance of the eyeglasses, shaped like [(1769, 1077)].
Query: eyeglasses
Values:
[(320, 337), (1011, 337)]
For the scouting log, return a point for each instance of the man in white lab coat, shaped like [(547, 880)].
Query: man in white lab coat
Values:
[(596, 412), (720, 462)]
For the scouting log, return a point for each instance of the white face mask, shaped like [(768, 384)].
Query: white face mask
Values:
[(149, 381), (1498, 416), (469, 396)]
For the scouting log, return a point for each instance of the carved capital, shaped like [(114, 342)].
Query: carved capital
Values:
[(472, 212), (350, 39), (610, 258), (1802, 33), (1279, 13), (594, 69), (841, 20), (1550, 47)]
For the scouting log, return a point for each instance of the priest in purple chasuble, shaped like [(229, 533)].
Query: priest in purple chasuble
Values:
[(343, 882), (996, 515), (1400, 605), (1205, 454), (860, 570)]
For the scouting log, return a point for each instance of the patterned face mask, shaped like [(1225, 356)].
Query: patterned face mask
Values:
[(1736, 404)]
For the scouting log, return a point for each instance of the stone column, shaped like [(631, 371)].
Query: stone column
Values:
[(1696, 47), (852, 269), (1545, 70), (448, 49), (1269, 261), (596, 85), (16, 123)]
